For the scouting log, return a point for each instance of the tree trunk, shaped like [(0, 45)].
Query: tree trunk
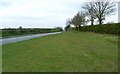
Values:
[(65, 29), (92, 21), (79, 27), (100, 22), (76, 27)]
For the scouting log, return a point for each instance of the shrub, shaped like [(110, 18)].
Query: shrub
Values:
[(104, 29), (24, 31)]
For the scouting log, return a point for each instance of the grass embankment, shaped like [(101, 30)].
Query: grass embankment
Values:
[(69, 51), (0, 59)]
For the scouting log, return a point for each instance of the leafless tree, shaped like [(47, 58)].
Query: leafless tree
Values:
[(78, 20), (99, 10), (88, 7)]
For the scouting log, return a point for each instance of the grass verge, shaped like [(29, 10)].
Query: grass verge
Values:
[(70, 51)]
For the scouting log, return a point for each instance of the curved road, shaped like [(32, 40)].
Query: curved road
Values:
[(22, 38)]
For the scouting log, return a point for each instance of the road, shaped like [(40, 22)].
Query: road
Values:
[(22, 38)]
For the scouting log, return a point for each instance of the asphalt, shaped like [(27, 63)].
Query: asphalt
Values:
[(22, 38)]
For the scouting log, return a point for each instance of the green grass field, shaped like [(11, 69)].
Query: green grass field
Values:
[(67, 52), (0, 59)]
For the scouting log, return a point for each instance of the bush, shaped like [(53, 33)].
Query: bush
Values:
[(104, 29), (24, 31)]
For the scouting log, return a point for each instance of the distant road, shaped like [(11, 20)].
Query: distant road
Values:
[(22, 38)]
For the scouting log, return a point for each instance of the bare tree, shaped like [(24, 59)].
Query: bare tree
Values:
[(78, 20), (101, 9), (88, 7), (68, 23), (83, 20), (67, 27)]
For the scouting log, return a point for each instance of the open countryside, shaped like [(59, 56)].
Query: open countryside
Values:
[(81, 45), (69, 51)]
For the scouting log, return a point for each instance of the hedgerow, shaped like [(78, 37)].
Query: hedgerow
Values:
[(104, 29)]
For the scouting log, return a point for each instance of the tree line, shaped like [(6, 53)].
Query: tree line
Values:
[(91, 11), (24, 31)]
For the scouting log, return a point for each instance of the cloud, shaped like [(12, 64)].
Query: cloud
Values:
[(4, 4), (41, 13)]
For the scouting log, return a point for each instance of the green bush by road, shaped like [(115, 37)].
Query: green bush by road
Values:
[(26, 31), (104, 29), (70, 51)]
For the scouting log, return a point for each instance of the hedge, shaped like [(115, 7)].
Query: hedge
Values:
[(25, 31), (104, 29)]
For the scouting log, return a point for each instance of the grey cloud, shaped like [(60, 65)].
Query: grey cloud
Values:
[(53, 13), (5, 4)]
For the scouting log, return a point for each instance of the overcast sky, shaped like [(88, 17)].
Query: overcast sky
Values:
[(40, 13)]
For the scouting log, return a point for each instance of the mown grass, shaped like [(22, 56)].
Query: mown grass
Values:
[(0, 59), (70, 51)]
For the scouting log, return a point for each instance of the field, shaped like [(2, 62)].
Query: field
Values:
[(71, 51)]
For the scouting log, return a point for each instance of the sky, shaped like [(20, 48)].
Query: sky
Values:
[(41, 13), (119, 11)]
